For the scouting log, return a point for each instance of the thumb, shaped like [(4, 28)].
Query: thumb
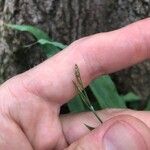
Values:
[(119, 133)]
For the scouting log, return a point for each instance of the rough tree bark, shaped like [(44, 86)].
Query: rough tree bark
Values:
[(65, 21), (136, 78)]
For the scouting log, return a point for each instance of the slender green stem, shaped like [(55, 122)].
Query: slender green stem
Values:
[(96, 115)]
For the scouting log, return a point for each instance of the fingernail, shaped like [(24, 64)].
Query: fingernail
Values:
[(122, 136)]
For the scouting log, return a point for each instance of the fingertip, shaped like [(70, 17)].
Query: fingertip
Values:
[(123, 132)]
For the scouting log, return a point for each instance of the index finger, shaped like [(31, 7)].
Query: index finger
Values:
[(95, 55)]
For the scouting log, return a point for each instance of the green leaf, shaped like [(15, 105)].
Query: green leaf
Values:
[(76, 105), (130, 97), (42, 38), (36, 32), (56, 44), (106, 93)]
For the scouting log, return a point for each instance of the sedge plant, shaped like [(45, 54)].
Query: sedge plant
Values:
[(82, 93)]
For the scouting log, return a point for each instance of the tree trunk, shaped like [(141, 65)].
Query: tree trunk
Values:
[(66, 21)]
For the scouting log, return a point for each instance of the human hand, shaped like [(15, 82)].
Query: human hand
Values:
[(30, 102)]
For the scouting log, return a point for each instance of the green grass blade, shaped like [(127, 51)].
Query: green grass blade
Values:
[(50, 43), (36, 32), (130, 97), (106, 94), (50, 48)]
